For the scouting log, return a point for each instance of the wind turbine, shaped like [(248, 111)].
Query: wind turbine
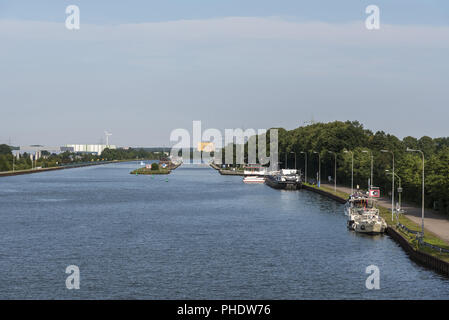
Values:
[(107, 134)]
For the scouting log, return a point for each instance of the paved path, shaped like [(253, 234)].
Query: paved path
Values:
[(433, 220)]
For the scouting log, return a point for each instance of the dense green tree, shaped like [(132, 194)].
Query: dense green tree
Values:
[(5, 149), (154, 166), (5, 163), (67, 158), (338, 136)]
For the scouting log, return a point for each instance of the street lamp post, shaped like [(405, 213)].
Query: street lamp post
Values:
[(372, 158), (286, 160), (399, 187), (295, 158), (305, 165), (392, 185), (319, 169), (352, 170), (335, 170), (422, 199)]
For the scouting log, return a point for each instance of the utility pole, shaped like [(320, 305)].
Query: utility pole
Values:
[(335, 170), (422, 196), (392, 185), (399, 191), (305, 165), (319, 169), (352, 170), (285, 160), (295, 158), (372, 160)]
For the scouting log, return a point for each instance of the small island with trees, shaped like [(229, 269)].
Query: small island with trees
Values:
[(163, 167), (153, 169)]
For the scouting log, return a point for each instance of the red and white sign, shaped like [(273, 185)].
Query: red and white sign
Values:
[(374, 192)]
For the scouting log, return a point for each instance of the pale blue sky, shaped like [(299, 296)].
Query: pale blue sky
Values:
[(143, 68), (134, 11)]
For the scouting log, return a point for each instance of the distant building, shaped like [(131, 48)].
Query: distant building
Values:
[(206, 146), (87, 148), (38, 148)]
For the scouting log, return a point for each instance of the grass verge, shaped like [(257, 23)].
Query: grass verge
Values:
[(385, 213)]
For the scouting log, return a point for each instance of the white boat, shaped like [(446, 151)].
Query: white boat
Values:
[(142, 163), (363, 215), (254, 174), (254, 179), (255, 170), (370, 224)]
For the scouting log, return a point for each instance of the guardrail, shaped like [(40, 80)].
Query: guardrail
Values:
[(407, 229), (422, 242), (421, 257), (441, 250)]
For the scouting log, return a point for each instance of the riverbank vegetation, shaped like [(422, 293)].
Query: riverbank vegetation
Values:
[(48, 160), (339, 136), (385, 213), (154, 169)]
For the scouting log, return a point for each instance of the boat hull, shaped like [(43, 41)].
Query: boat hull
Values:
[(369, 228), (367, 225), (253, 179), (285, 185)]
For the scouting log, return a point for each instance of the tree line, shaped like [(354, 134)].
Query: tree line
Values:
[(351, 136), (48, 159)]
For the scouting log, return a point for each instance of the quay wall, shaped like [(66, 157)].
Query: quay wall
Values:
[(324, 193), (19, 172), (226, 172), (417, 256), (29, 171)]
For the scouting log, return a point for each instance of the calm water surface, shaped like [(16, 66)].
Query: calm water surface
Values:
[(199, 235)]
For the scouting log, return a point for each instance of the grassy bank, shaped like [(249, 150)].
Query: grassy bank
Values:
[(340, 194), (149, 171), (385, 213)]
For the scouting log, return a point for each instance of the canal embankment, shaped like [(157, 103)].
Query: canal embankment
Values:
[(37, 170), (324, 193), (428, 257), (70, 166), (226, 172), (151, 171)]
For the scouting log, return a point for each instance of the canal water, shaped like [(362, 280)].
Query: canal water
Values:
[(193, 234)]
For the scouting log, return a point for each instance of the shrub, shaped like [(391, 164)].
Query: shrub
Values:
[(154, 166)]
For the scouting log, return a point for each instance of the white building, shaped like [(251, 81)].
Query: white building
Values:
[(87, 148)]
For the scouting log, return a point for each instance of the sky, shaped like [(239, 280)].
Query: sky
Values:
[(140, 69)]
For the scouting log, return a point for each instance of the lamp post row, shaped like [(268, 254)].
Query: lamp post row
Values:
[(371, 176), (422, 196)]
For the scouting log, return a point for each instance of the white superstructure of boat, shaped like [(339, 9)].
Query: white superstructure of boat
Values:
[(254, 174), (254, 179), (363, 215)]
